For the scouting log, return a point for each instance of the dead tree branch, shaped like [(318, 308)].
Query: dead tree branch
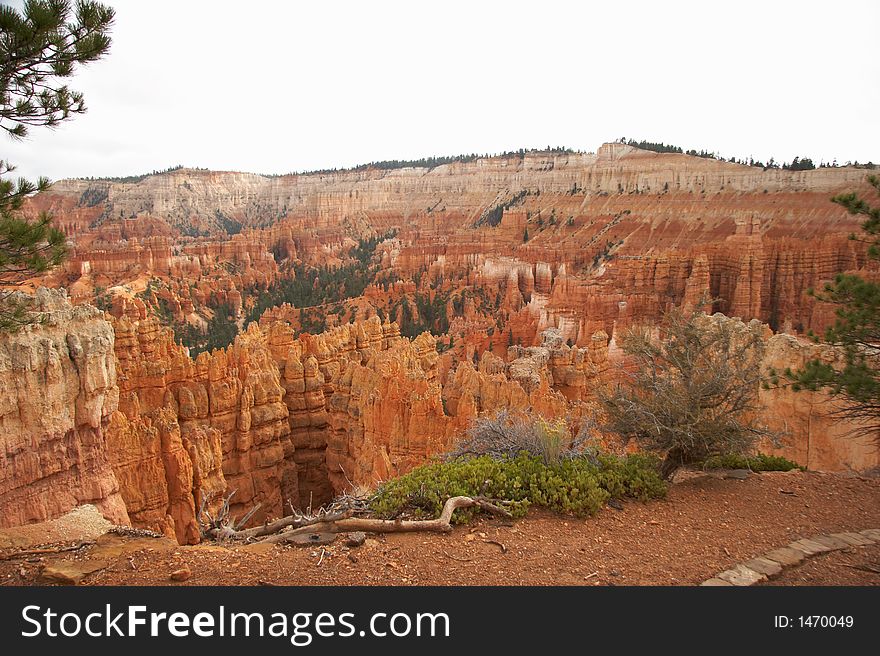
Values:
[(47, 550), (344, 524), (222, 525), (295, 521)]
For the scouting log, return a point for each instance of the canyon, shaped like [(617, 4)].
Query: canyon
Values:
[(438, 295)]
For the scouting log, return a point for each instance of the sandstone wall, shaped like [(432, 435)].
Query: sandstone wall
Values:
[(812, 435), (57, 396), (279, 419), (219, 419)]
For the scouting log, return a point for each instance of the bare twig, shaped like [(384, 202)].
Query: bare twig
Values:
[(292, 521), (495, 542), (244, 520), (867, 567), (47, 550)]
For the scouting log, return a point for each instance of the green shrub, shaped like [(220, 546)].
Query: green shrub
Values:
[(759, 463), (579, 486), (637, 476)]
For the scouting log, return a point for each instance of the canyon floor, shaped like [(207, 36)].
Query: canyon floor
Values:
[(706, 525)]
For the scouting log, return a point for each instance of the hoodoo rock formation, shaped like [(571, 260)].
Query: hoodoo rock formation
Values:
[(368, 316), (222, 413), (283, 420), (614, 237)]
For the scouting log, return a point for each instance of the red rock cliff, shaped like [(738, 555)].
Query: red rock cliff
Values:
[(58, 382)]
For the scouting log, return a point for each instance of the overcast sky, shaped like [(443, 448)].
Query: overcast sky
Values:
[(272, 86)]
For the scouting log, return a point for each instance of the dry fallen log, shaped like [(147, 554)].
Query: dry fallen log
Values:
[(295, 521), (440, 525)]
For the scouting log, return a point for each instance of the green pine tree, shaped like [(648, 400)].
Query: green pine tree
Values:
[(40, 46), (856, 329)]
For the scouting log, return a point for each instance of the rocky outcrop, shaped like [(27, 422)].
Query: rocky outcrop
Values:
[(155, 470), (58, 381), (568, 369), (580, 246), (161, 468), (311, 370), (366, 405), (386, 415), (214, 423), (810, 434)]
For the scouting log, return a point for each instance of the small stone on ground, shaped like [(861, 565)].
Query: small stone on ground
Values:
[(70, 572), (742, 575), (764, 566), (810, 547), (785, 556)]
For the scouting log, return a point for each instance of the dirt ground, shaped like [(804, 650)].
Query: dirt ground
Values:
[(856, 566), (706, 525)]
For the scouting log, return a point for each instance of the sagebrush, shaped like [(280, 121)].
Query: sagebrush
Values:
[(507, 434)]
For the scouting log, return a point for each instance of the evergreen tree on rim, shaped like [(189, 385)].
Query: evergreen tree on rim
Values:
[(856, 330), (39, 47)]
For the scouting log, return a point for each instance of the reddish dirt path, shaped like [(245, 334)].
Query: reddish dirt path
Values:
[(705, 526)]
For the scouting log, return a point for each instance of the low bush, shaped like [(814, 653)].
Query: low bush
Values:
[(507, 434), (758, 463), (579, 486)]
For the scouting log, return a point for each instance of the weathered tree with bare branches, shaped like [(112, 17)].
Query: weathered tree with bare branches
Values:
[(690, 390)]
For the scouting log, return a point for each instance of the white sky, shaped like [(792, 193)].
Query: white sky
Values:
[(272, 86)]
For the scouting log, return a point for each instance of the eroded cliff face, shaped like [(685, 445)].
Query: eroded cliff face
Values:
[(527, 304), (58, 382), (811, 434), (367, 405), (219, 418), (196, 199), (294, 420), (614, 237), (311, 369)]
